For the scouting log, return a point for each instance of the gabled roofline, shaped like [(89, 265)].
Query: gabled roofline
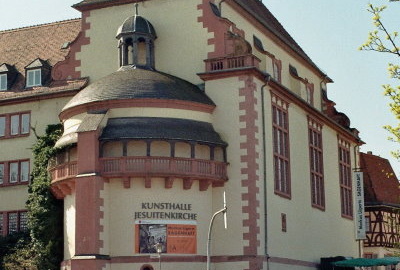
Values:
[(260, 15)]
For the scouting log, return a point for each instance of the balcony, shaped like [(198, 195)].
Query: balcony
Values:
[(207, 172), (231, 62)]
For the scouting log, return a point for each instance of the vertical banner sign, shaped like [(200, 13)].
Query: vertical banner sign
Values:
[(360, 215)]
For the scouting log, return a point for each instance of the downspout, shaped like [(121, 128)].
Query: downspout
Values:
[(264, 155)]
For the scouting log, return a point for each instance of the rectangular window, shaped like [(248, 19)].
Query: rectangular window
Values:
[(13, 176), (316, 165), (14, 172), (3, 82), (15, 124), (24, 171), (277, 69), (25, 123), (23, 221), (1, 173), (280, 128), (33, 77), (346, 192), (2, 126), (12, 222)]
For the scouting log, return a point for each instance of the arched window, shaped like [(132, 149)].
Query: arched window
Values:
[(146, 267)]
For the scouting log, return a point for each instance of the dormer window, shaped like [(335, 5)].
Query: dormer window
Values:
[(33, 77), (7, 76), (37, 73)]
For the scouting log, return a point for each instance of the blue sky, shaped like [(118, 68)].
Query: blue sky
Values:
[(329, 32)]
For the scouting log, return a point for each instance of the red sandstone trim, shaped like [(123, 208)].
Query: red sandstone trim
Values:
[(67, 69), (250, 166), (137, 103)]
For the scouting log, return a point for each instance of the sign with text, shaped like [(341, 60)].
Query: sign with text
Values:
[(360, 214), (174, 237)]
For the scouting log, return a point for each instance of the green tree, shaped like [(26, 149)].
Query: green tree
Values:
[(385, 41)]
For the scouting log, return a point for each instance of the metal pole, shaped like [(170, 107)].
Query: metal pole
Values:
[(223, 210)]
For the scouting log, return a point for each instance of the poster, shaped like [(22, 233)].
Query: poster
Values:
[(174, 238)]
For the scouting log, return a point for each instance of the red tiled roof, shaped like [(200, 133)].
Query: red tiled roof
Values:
[(380, 182), (20, 47)]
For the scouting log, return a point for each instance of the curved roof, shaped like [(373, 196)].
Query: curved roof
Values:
[(136, 24), (161, 128), (136, 83)]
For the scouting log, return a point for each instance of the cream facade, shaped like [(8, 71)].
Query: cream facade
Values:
[(188, 100)]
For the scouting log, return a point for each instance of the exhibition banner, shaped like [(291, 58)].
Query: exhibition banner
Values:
[(174, 237)]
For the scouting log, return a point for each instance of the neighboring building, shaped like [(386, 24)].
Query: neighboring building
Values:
[(382, 206), (166, 105)]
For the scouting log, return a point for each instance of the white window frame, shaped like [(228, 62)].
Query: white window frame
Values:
[(3, 82), (33, 77)]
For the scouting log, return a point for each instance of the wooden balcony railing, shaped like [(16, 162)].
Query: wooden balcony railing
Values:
[(232, 62)]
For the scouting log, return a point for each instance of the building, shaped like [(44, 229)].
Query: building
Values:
[(166, 105), (381, 191)]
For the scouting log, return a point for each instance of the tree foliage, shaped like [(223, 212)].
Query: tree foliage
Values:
[(45, 212), (385, 41), (42, 247)]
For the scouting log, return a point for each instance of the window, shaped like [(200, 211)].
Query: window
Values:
[(13, 221), (16, 124), (368, 224), (33, 77), (3, 82), (316, 164), (280, 128), (14, 175), (1, 173), (310, 93), (277, 69), (2, 126), (345, 179), (14, 172), (24, 171)]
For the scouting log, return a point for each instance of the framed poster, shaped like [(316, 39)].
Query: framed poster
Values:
[(177, 237)]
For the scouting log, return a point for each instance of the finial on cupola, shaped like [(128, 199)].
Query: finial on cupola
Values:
[(136, 9)]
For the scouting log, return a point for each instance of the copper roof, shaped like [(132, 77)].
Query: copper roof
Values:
[(381, 185), (20, 47)]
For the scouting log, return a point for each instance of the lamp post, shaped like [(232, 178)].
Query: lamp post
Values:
[(159, 247), (223, 210)]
